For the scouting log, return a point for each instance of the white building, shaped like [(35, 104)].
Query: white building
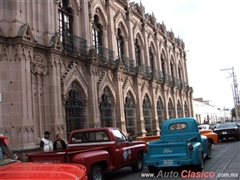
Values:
[(206, 113)]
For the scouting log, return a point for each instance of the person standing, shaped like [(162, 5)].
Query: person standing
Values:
[(59, 143), (46, 144)]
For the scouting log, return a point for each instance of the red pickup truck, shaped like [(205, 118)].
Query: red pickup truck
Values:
[(99, 150), (12, 169)]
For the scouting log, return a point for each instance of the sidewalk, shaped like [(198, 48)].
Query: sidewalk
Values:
[(232, 167)]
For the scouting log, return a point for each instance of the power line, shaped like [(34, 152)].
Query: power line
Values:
[(234, 89)]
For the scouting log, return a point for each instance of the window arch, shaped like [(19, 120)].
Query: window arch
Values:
[(137, 52), (179, 109), (107, 115), (65, 17), (160, 112), (130, 116), (151, 59), (186, 109), (75, 107), (147, 113), (170, 109), (120, 43), (96, 32)]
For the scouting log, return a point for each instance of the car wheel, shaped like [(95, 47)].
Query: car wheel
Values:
[(96, 173), (138, 165), (153, 169), (210, 141), (209, 150), (199, 167), (238, 137)]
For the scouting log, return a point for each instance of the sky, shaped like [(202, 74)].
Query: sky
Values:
[(210, 30)]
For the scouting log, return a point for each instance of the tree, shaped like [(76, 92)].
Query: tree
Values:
[(233, 112)]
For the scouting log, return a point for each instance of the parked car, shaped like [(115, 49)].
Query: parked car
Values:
[(208, 126), (99, 150), (228, 131), (180, 144), (212, 136), (11, 168)]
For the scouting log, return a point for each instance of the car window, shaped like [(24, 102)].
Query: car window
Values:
[(119, 136), (178, 126), (226, 125), (91, 136)]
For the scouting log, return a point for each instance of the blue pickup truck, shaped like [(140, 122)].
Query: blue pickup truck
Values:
[(180, 144)]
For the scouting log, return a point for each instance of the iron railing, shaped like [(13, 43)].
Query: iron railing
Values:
[(147, 71), (159, 75), (128, 64), (73, 44), (106, 55)]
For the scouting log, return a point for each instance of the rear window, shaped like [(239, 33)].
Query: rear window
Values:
[(90, 136), (178, 126)]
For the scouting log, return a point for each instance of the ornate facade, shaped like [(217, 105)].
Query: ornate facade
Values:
[(73, 64)]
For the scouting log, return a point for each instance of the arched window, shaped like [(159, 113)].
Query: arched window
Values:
[(107, 110), (137, 53), (65, 25), (186, 109), (75, 107), (179, 109), (147, 113), (65, 18), (96, 33), (151, 59), (170, 109), (130, 116), (160, 112), (179, 72), (172, 71), (120, 44)]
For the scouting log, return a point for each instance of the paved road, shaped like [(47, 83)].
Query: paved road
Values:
[(225, 160)]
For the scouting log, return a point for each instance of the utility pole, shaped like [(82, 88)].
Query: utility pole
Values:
[(234, 91)]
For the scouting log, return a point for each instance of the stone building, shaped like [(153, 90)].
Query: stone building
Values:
[(70, 64)]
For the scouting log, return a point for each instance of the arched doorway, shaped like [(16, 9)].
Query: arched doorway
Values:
[(107, 110), (130, 116), (75, 111)]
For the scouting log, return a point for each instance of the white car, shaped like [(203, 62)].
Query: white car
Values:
[(204, 126)]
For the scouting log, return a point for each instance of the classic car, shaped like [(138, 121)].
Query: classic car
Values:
[(12, 169), (180, 144), (228, 131), (212, 137)]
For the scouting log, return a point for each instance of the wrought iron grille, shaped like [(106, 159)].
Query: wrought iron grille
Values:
[(147, 113), (106, 55), (75, 111), (147, 72), (169, 79), (160, 112), (159, 75), (128, 64), (179, 109), (186, 110), (170, 109), (178, 82), (107, 111), (130, 116), (73, 44)]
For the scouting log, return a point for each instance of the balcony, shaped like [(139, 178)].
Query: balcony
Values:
[(128, 64), (159, 75), (169, 79), (178, 83), (73, 44), (106, 55), (146, 71)]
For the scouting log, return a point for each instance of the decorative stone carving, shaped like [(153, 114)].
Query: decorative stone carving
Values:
[(38, 66), (26, 33)]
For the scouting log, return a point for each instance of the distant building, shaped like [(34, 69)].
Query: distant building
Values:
[(206, 113)]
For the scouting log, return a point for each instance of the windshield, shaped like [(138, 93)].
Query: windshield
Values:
[(226, 125), (6, 156)]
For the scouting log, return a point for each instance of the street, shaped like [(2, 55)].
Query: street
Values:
[(225, 161)]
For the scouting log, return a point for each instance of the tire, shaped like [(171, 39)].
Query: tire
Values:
[(199, 167), (210, 141), (209, 150), (153, 169), (138, 164), (96, 173)]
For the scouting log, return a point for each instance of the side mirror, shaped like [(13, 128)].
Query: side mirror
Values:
[(130, 139)]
